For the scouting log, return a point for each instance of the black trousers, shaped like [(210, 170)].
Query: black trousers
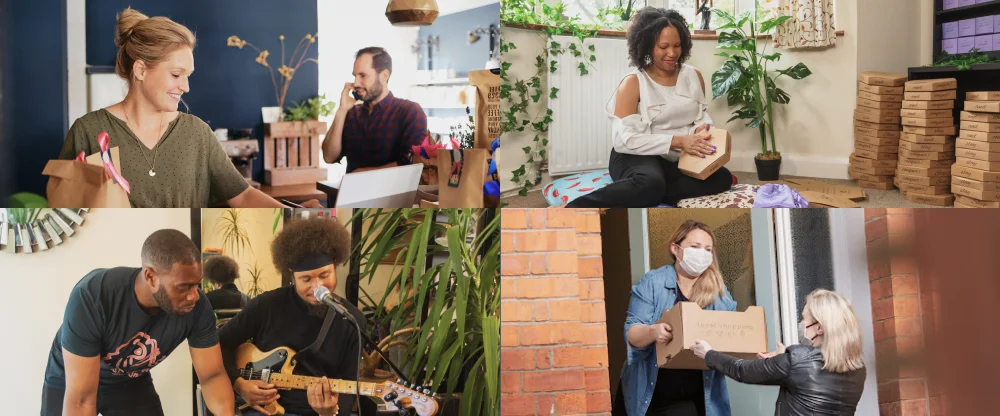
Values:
[(138, 398), (646, 181), (684, 408)]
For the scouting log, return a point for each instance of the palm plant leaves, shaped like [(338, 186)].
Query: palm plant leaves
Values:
[(234, 233)]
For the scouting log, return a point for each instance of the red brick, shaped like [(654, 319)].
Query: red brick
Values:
[(902, 265), (536, 334), (532, 241), (520, 359), (899, 224), (514, 311), (872, 213), (879, 331), (513, 219), (598, 402), (875, 229), (517, 405), (912, 389), (590, 267), (536, 218), (506, 243), (541, 310), (881, 309), (880, 289), (566, 333), (508, 335), (592, 312), (571, 356), (596, 379), (562, 263), (904, 285), (888, 392), (510, 382), (936, 406), (906, 326), (595, 357), (571, 403), (591, 289), (507, 288), (588, 223), (514, 265), (560, 218), (538, 264), (553, 380), (543, 358), (546, 404), (564, 310), (588, 245), (899, 211), (907, 346), (888, 409), (594, 334), (548, 287), (913, 407), (905, 306)]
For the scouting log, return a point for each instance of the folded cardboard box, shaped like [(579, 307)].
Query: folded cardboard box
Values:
[(979, 136), (923, 180), (823, 200), (878, 112), (929, 105), (976, 202), (883, 79), (978, 155), (871, 170), (983, 95), (875, 163), (942, 200), (983, 106), (893, 98), (875, 155), (890, 134), (921, 163), (919, 171), (883, 105), (876, 185), (875, 148), (801, 184), (975, 174), (701, 168), (927, 147), (961, 205), (925, 113), (980, 117), (974, 184), (980, 126), (877, 119), (858, 176), (930, 96), (926, 155), (916, 138), (922, 189), (876, 141), (931, 85), (976, 194), (977, 145), (876, 89), (928, 122), (931, 131), (977, 164), (876, 126), (738, 334)]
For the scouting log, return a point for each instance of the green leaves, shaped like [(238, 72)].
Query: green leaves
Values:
[(583, 69), (553, 92), (768, 25), (772, 57), (798, 71), (725, 78)]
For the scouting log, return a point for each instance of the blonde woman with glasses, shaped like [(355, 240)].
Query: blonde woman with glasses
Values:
[(824, 375)]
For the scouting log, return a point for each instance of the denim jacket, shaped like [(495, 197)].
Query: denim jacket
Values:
[(654, 294)]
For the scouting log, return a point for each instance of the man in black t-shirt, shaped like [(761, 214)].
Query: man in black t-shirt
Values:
[(223, 271), (121, 322), (309, 251)]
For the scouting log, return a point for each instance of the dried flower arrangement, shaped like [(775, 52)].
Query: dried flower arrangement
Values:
[(287, 69)]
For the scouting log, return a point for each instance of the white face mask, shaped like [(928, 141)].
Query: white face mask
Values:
[(695, 261)]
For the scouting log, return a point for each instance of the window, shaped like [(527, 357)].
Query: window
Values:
[(804, 262)]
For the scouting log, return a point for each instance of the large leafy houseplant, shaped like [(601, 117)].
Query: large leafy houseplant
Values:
[(746, 79), (445, 315)]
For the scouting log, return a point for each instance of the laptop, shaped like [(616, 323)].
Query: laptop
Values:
[(394, 187)]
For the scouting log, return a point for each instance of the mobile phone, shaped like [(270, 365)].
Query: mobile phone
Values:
[(355, 94), (290, 204)]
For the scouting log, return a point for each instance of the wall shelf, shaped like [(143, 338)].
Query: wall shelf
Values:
[(966, 12)]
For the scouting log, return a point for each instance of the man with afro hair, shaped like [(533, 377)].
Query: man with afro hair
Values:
[(307, 250)]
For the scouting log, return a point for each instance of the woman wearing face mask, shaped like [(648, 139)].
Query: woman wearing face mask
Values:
[(170, 159), (825, 375), (646, 389), (659, 111)]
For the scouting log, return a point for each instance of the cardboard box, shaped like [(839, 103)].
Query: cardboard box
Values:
[(977, 145), (950, 4), (980, 117), (801, 185), (918, 171), (980, 136), (876, 141), (979, 126), (916, 138), (701, 168), (984, 43), (949, 30), (975, 174), (879, 112), (875, 89), (862, 102), (984, 25), (876, 119), (874, 163), (937, 200), (996, 41), (876, 126), (925, 85), (960, 205), (926, 155), (876, 185), (974, 184), (966, 44), (927, 147), (976, 194), (976, 202), (871, 171), (967, 27), (923, 180), (875, 155), (875, 148), (929, 105), (882, 79), (925, 113), (920, 163), (978, 155), (950, 45), (824, 200), (922, 189), (861, 176), (930, 96), (928, 122), (982, 96), (931, 131), (983, 106), (977, 164), (738, 334), (887, 134), (892, 98)]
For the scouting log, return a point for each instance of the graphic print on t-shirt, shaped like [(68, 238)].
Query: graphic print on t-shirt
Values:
[(134, 357)]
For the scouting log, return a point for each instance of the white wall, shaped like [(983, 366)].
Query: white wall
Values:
[(76, 58), (37, 286)]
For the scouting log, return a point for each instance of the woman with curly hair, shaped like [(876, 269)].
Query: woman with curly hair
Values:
[(308, 250), (659, 111)]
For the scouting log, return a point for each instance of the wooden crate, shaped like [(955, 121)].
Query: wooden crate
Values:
[(292, 152)]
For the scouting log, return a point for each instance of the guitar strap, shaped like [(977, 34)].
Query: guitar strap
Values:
[(315, 346)]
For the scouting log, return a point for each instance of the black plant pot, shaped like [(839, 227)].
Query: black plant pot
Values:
[(767, 170)]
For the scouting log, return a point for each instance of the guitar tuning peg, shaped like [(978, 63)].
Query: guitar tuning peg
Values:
[(427, 392)]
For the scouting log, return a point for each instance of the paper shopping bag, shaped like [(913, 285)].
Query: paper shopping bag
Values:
[(84, 185), (461, 175)]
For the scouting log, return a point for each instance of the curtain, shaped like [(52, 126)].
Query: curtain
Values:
[(811, 25)]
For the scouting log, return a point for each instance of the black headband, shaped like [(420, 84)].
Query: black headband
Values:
[(313, 262)]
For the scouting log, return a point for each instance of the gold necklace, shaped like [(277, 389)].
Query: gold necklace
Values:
[(152, 170)]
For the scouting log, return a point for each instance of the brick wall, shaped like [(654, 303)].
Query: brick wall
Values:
[(903, 315), (553, 336)]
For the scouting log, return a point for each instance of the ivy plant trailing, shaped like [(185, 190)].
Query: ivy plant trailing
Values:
[(521, 92)]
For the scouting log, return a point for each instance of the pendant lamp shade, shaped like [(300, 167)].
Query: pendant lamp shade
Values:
[(411, 12)]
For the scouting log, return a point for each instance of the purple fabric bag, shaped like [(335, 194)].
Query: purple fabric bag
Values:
[(778, 196)]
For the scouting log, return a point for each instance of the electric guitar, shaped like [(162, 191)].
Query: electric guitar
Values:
[(275, 367)]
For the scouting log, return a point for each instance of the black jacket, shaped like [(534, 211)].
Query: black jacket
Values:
[(227, 297), (806, 388)]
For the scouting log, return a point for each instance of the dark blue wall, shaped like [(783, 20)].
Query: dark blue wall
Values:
[(6, 168)]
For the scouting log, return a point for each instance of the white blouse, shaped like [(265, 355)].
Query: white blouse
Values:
[(663, 113)]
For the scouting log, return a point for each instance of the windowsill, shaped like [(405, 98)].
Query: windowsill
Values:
[(605, 33)]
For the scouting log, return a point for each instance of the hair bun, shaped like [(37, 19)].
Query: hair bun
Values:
[(127, 20)]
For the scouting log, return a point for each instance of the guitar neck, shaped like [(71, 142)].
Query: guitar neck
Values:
[(291, 381)]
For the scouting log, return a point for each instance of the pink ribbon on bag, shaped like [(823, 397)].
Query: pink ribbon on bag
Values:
[(109, 166), (82, 157)]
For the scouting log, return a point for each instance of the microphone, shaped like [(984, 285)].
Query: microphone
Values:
[(324, 295)]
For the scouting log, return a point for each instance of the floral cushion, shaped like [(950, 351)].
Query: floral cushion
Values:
[(739, 196), (565, 190)]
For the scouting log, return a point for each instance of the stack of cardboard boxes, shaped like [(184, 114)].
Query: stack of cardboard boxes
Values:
[(927, 147), (876, 129), (976, 174)]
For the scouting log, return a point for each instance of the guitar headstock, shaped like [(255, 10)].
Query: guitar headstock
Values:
[(401, 396)]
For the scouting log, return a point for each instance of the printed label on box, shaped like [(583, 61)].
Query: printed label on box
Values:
[(950, 4), (984, 25), (967, 27), (965, 45), (984, 43), (949, 30)]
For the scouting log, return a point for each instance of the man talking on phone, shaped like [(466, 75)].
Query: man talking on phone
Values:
[(379, 130)]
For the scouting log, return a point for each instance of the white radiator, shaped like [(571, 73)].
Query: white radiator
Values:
[(580, 133)]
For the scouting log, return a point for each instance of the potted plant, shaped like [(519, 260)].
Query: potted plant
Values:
[(311, 109), (747, 81)]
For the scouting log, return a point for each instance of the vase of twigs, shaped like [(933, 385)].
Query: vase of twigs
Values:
[(286, 72)]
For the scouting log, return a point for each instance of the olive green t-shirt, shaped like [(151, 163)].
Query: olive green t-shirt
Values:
[(192, 169)]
